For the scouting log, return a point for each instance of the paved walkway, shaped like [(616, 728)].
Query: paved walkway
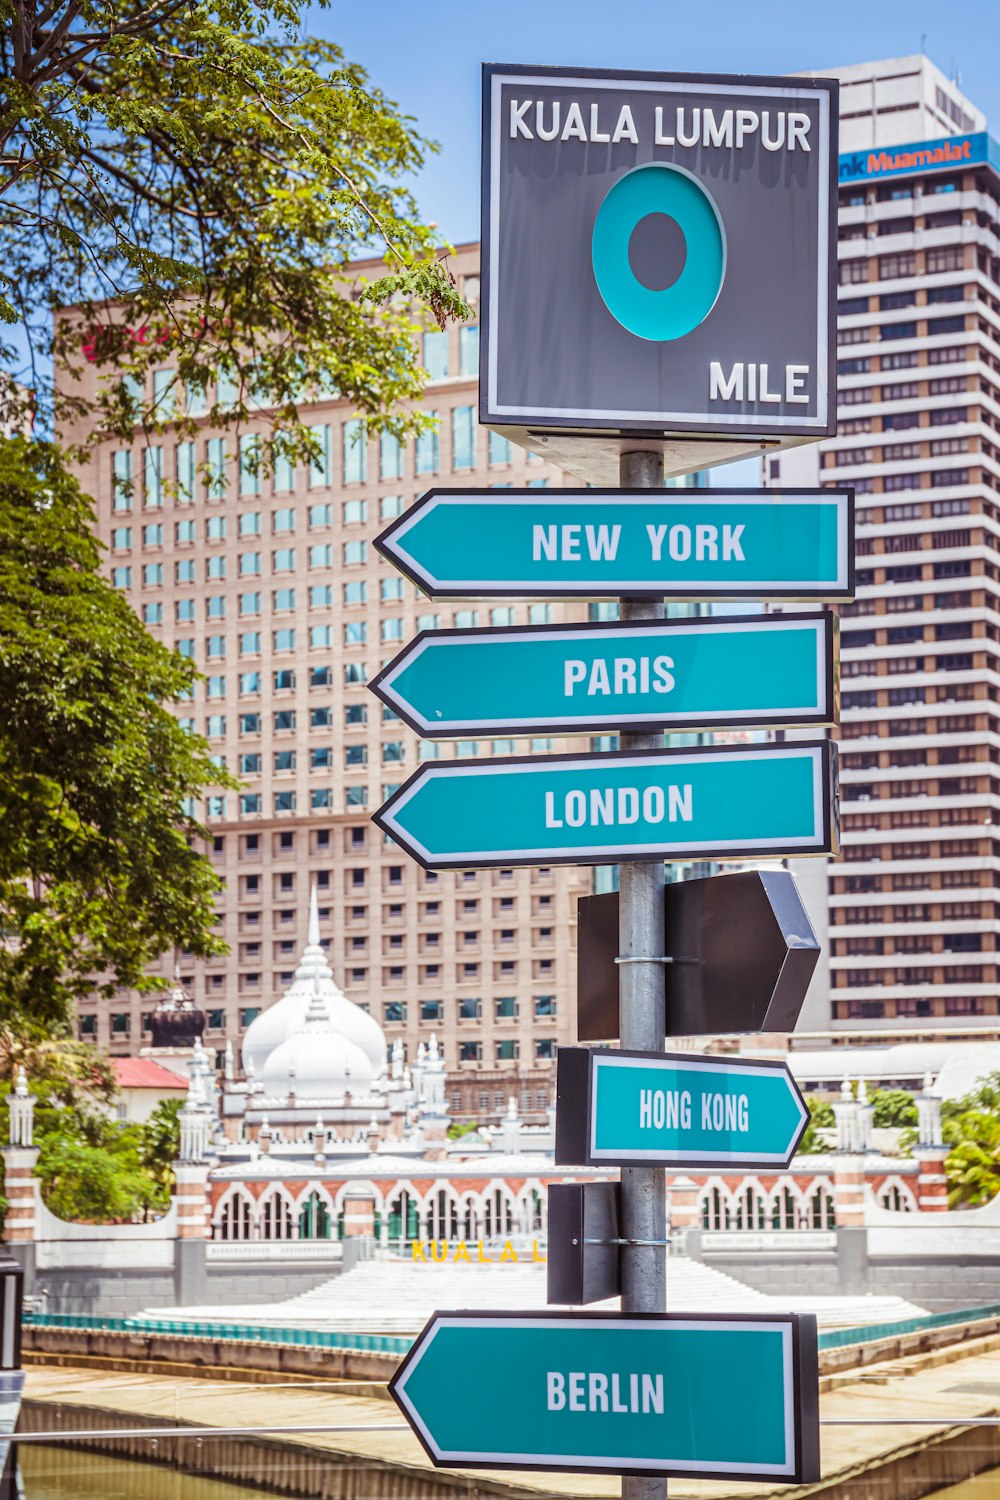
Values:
[(957, 1390), (398, 1296)]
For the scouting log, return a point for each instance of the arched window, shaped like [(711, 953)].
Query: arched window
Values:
[(750, 1208), (537, 1211), (404, 1217), (234, 1222), (314, 1219), (277, 1220), (715, 1210), (442, 1216), (823, 1213), (499, 1217), (894, 1197), (783, 1209)]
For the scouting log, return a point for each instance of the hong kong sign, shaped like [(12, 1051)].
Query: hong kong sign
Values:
[(644, 1393), (719, 544), (641, 231), (674, 1110), (721, 802), (761, 670)]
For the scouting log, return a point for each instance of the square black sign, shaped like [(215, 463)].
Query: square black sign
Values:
[(658, 253)]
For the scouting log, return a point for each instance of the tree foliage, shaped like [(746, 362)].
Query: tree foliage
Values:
[(971, 1128), (193, 179), (820, 1118), (892, 1108), (91, 1167), (101, 869)]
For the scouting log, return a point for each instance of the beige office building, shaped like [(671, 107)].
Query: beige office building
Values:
[(272, 585)]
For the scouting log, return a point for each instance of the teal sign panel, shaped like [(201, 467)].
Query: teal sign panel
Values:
[(681, 1111), (647, 1394), (693, 674), (723, 802), (676, 544)]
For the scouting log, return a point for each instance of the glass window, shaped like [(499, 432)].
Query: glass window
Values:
[(466, 619), (321, 555), (184, 611), (501, 449), (215, 687), (284, 475), (197, 403), (321, 797), (428, 622), (284, 718), (184, 570), (215, 528), (216, 725), (249, 642), (153, 476), (250, 457), (249, 604), (355, 672), (122, 470), (284, 760), (216, 466), (355, 552), (355, 632), (319, 465), (356, 713), (545, 1005), (250, 523), (152, 574), (184, 647), (392, 588), (503, 615), (427, 448), (356, 796), (390, 506), (284, 802), (321, 515), (355, 452), (284, 640), (184, 532), (463, 438), (152, 536), (185, 473), (283, 598), (320, 718), (436, 355), (355, 593), (507, 1051), (227, 388), (540, 614), (468, 350), (355, 511), (320, 636), (249, 723), (283, 560), (283, 520), (320, 676), (390, 456), (216, 645), (392, 630), (251, 684), (215, 607), (152, 614), (356, 755), (249, 564)]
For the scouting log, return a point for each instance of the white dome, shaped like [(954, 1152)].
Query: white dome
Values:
[(317, 1062), (286, 1016)]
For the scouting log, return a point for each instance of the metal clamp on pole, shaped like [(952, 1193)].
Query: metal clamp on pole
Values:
[(620, 1241)]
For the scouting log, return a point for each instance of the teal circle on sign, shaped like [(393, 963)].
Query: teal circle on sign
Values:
[(673, 311)]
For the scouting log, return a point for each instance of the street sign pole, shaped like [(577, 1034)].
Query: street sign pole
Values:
[(642, 996)]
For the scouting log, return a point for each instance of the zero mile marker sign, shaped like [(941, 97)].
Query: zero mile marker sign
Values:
[(674, 1110), (640, 1393), (657, 258), (756, 670), (718, 544), (720, 801)]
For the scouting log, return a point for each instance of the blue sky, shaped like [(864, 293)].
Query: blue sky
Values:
[(427, 57)]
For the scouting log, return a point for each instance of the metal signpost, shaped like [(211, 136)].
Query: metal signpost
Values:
[(668, 544), (674, 1110), (741, 802), (639, 231), (773, 670), (639, 1394)]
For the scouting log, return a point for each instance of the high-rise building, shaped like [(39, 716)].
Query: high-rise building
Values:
[(914, 899), (272, 585)]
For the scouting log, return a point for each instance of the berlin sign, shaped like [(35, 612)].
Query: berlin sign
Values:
[(722, 801), (642, 1393), (722, 544), (695, 674), (658, 254), (674, 1110)]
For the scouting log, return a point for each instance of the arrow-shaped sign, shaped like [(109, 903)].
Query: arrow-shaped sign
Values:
[(674, 1110), (765, 669), (724, 801), (643, 1394), (689, 544)]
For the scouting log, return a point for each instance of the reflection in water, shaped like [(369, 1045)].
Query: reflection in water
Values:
[(60, 1473)]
